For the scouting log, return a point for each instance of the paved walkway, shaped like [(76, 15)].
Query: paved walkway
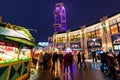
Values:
[(91, 72)]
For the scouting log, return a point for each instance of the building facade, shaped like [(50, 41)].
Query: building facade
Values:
[(104, 35)]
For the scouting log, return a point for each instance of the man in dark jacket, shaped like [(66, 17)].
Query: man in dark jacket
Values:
[(83, 59), (118, 59), (54, 60), (103, 60), (94, 56), (79, 59), (61, 59), (70, 62)]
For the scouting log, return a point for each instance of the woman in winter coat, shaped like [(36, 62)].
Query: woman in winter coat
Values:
[(66, 61)]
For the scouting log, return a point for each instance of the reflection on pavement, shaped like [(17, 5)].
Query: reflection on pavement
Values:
[(91, 72)]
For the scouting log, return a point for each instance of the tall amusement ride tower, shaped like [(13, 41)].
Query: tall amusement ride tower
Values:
[(60, 18)]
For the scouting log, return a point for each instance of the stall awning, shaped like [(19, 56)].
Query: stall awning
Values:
[(20, 40)]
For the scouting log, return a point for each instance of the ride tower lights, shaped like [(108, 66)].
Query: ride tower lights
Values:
[(60, 18)]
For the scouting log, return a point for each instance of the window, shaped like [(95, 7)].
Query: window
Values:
[(118, 19), (119, 27), (114, 29), (77, 38), (113, 21), (88, 34), (93, 34), (58, 40), (61, 39), (71, 38), (98, 33)]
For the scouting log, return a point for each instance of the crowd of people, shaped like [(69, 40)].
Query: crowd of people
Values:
[(48, 61), (110, 62), (81, 58)]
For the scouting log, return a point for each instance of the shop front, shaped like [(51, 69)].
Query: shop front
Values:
[(94, 44), (116, 43), (61, 46), (75, 38), (75, 46), (61, 42)]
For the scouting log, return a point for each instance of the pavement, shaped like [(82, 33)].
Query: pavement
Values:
[(91, 72)]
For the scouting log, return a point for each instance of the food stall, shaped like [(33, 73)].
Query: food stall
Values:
[(16, 45)]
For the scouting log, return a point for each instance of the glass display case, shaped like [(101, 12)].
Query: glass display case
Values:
[(8, 51), (6, 55)]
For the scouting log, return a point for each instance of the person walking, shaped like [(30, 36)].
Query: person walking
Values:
[(79, 59), (61, 59), (45, 61), (118, 59), (111, 63), (54, 60), (103, 61), (94, 57), (66, 61), (70, 62), (40, 60), (83, 59)]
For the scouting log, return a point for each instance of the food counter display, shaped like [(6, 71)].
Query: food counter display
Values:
[(14, 62), (15, 57)]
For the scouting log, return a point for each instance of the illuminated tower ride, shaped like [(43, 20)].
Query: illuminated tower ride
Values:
[(59, 17)]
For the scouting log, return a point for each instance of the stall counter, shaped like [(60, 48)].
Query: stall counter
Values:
[(15, 69)]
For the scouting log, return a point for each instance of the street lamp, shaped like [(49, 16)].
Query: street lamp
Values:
[(94, 40), (94, 43)]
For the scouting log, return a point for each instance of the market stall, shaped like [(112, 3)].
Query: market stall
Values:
[(15, 52)]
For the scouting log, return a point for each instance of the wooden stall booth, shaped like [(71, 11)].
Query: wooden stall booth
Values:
[(15, 52)]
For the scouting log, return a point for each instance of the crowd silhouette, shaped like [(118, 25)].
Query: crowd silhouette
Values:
[(110, 63)]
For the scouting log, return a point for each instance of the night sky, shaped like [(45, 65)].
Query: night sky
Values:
[(38, 14)]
